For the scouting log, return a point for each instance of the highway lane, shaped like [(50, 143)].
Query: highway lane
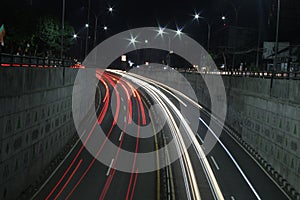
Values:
[(192, 188), (232, 182), (263, 184), (190, 177), (87, 181)]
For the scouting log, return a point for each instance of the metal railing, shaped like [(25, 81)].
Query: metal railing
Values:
[(10, 60), (259, 74)]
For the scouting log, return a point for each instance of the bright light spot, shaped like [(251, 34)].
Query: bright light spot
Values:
[(133, 40), (130, 63), (161, 31), (146, 41), (179, 31), (138, 66), (223, 17), (123, 58), (110, 9), (171, 52), (146, 63), (197, 16), (75, 36), (86, 25), (105, 28)]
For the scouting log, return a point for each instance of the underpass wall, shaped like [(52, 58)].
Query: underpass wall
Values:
[(35, 123), (267, 119)]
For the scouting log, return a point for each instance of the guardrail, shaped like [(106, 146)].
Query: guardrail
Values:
[(269, 74), (10, 60)]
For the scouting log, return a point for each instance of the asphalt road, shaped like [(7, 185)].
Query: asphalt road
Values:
[(87, 178), (237, 173), (227, 172)]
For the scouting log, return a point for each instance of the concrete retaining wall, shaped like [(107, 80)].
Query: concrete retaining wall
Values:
[(35, 123), (268, 120)]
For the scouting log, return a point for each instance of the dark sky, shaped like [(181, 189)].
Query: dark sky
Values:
[(138, 13)]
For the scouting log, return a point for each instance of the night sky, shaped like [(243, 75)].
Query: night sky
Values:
[(136, 13)]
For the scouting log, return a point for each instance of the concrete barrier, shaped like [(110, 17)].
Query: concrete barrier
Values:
[(267, 119), (36, 123)]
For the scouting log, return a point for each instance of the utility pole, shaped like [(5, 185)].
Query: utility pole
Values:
[(95, 31), (277, 35), (87, 31), (62, 28)]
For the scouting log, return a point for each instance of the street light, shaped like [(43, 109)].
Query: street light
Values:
[(197, 17), (87, 28), (76, 37), (179, 31), (96, 16), (162, 33)]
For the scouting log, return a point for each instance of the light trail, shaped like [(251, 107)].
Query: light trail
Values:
[(199, 151), (177, 135), (68, 180), (135, 153), (233, 160), (121, 139), (101, 147)]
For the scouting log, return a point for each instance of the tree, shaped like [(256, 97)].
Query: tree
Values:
[(48, 36)]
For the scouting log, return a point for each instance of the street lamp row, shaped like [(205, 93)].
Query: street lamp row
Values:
[(197, 17)]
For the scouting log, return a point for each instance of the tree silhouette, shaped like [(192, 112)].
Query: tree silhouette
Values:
[(48, 36)]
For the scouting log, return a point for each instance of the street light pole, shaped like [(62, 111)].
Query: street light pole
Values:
[(95, 31), (62, 28), (208, 36), (87, 29), (277, 35), (197, 16)]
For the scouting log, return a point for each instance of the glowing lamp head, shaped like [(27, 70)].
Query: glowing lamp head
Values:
[(178, 31)]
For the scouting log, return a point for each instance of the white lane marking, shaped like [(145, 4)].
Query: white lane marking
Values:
[(198, 136), (121, 135), (122, 99), (232, 198), (233, 160), (227, 131), (111, 163), (202, 145), (215, 163), (125, 119), (124, 107)]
